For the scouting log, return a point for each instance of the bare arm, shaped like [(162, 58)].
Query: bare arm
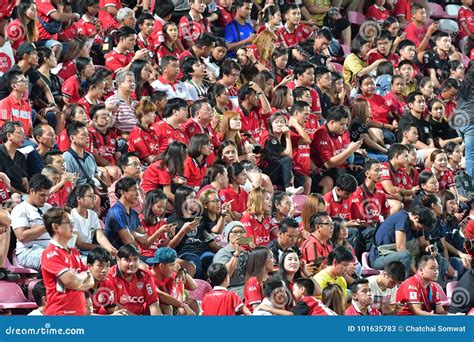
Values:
[(27, 234), (77, 281)]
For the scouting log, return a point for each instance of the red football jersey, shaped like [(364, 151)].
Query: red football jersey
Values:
[(240, 198), (154, 177), (369, 206), (336, 206), (377, 13), (116, 61), (466, 15), (70, 89), (260, 231), (166, 134), (291, 39), (412, 291), (379, 108), (136, 295), (389, 173), (143, 141), (312, 249), (301, 154), (221, 302), (55, 261), (353, 310), (162, 240), (194, 172), (326, 145), (252, 293), (445, 180), (104, 144)]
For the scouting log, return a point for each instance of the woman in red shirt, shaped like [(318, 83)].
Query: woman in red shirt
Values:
[(196, 162), (167, 171), (142, 139), (24, 28), (153, 221), (278, 65), (168, 47), (234, 191), (75, 112), (74, 87), (259, 267), (257, 220)]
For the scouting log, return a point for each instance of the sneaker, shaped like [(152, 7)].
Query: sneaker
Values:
[(294, 191)]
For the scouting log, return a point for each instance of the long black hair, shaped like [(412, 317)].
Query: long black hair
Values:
[(136, 67), (152, 197), (173, 158)]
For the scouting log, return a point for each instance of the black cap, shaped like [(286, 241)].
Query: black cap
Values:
[(25, 48)]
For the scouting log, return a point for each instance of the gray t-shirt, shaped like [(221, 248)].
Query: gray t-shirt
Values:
[(237, 280)]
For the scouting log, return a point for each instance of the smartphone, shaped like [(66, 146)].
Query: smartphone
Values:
[(197, 219), (244, 240), (257, 148)]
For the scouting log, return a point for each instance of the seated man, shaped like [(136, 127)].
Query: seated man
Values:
[(384, 287), (130, 287), (316, 248), (287, 236), (339, 260), (46, 139), (27, 223), (419, 293), (331, 146), (12, 161), (361, 300)]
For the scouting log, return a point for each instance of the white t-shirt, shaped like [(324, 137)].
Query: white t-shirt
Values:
[(26, 215), (85, 227), (178, 90), (380, 297)]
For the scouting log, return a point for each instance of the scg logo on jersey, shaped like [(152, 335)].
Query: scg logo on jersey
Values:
[(132, 299), (262, 239)]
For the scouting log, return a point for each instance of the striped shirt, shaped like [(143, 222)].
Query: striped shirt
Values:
[(125, 118)]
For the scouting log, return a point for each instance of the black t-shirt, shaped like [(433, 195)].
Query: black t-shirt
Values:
[(196, 241), (442, 130), (423, 127), (14, 169), (273, 148), (54, 85), (431, 60), (324, 100), (356, 129)]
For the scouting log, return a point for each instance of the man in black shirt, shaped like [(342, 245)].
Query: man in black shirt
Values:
[(12, 161), (322, 78), (417, 105), (287, 236), (436, 61)]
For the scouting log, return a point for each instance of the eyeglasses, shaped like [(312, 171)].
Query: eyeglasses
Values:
[(69, 223), (214, 201), (91, 196), (238, 232), (329, 224)]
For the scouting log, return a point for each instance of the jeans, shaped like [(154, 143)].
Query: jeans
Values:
[(404, 257), (467, 133), (280, 171), (202, 262), (361, 239), (380, 157), (388, 136)]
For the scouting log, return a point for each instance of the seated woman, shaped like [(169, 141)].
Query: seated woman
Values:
[(235, 191), (142, 139), (282, 100), (257, 219), (276, 156), (167, 172), (197, 243), (442, 132), (197, 161), (75, 112)]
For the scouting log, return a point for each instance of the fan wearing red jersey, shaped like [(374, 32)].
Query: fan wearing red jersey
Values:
[(66, 278), (419, 294), (143, 139), (293, 32), (98, 262), (220, 301), (132, 288), (361, 300), (306, 305), (257, 220)]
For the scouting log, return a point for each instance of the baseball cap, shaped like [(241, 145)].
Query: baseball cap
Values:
[(163, 255), (25, 48), (231, 225)]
